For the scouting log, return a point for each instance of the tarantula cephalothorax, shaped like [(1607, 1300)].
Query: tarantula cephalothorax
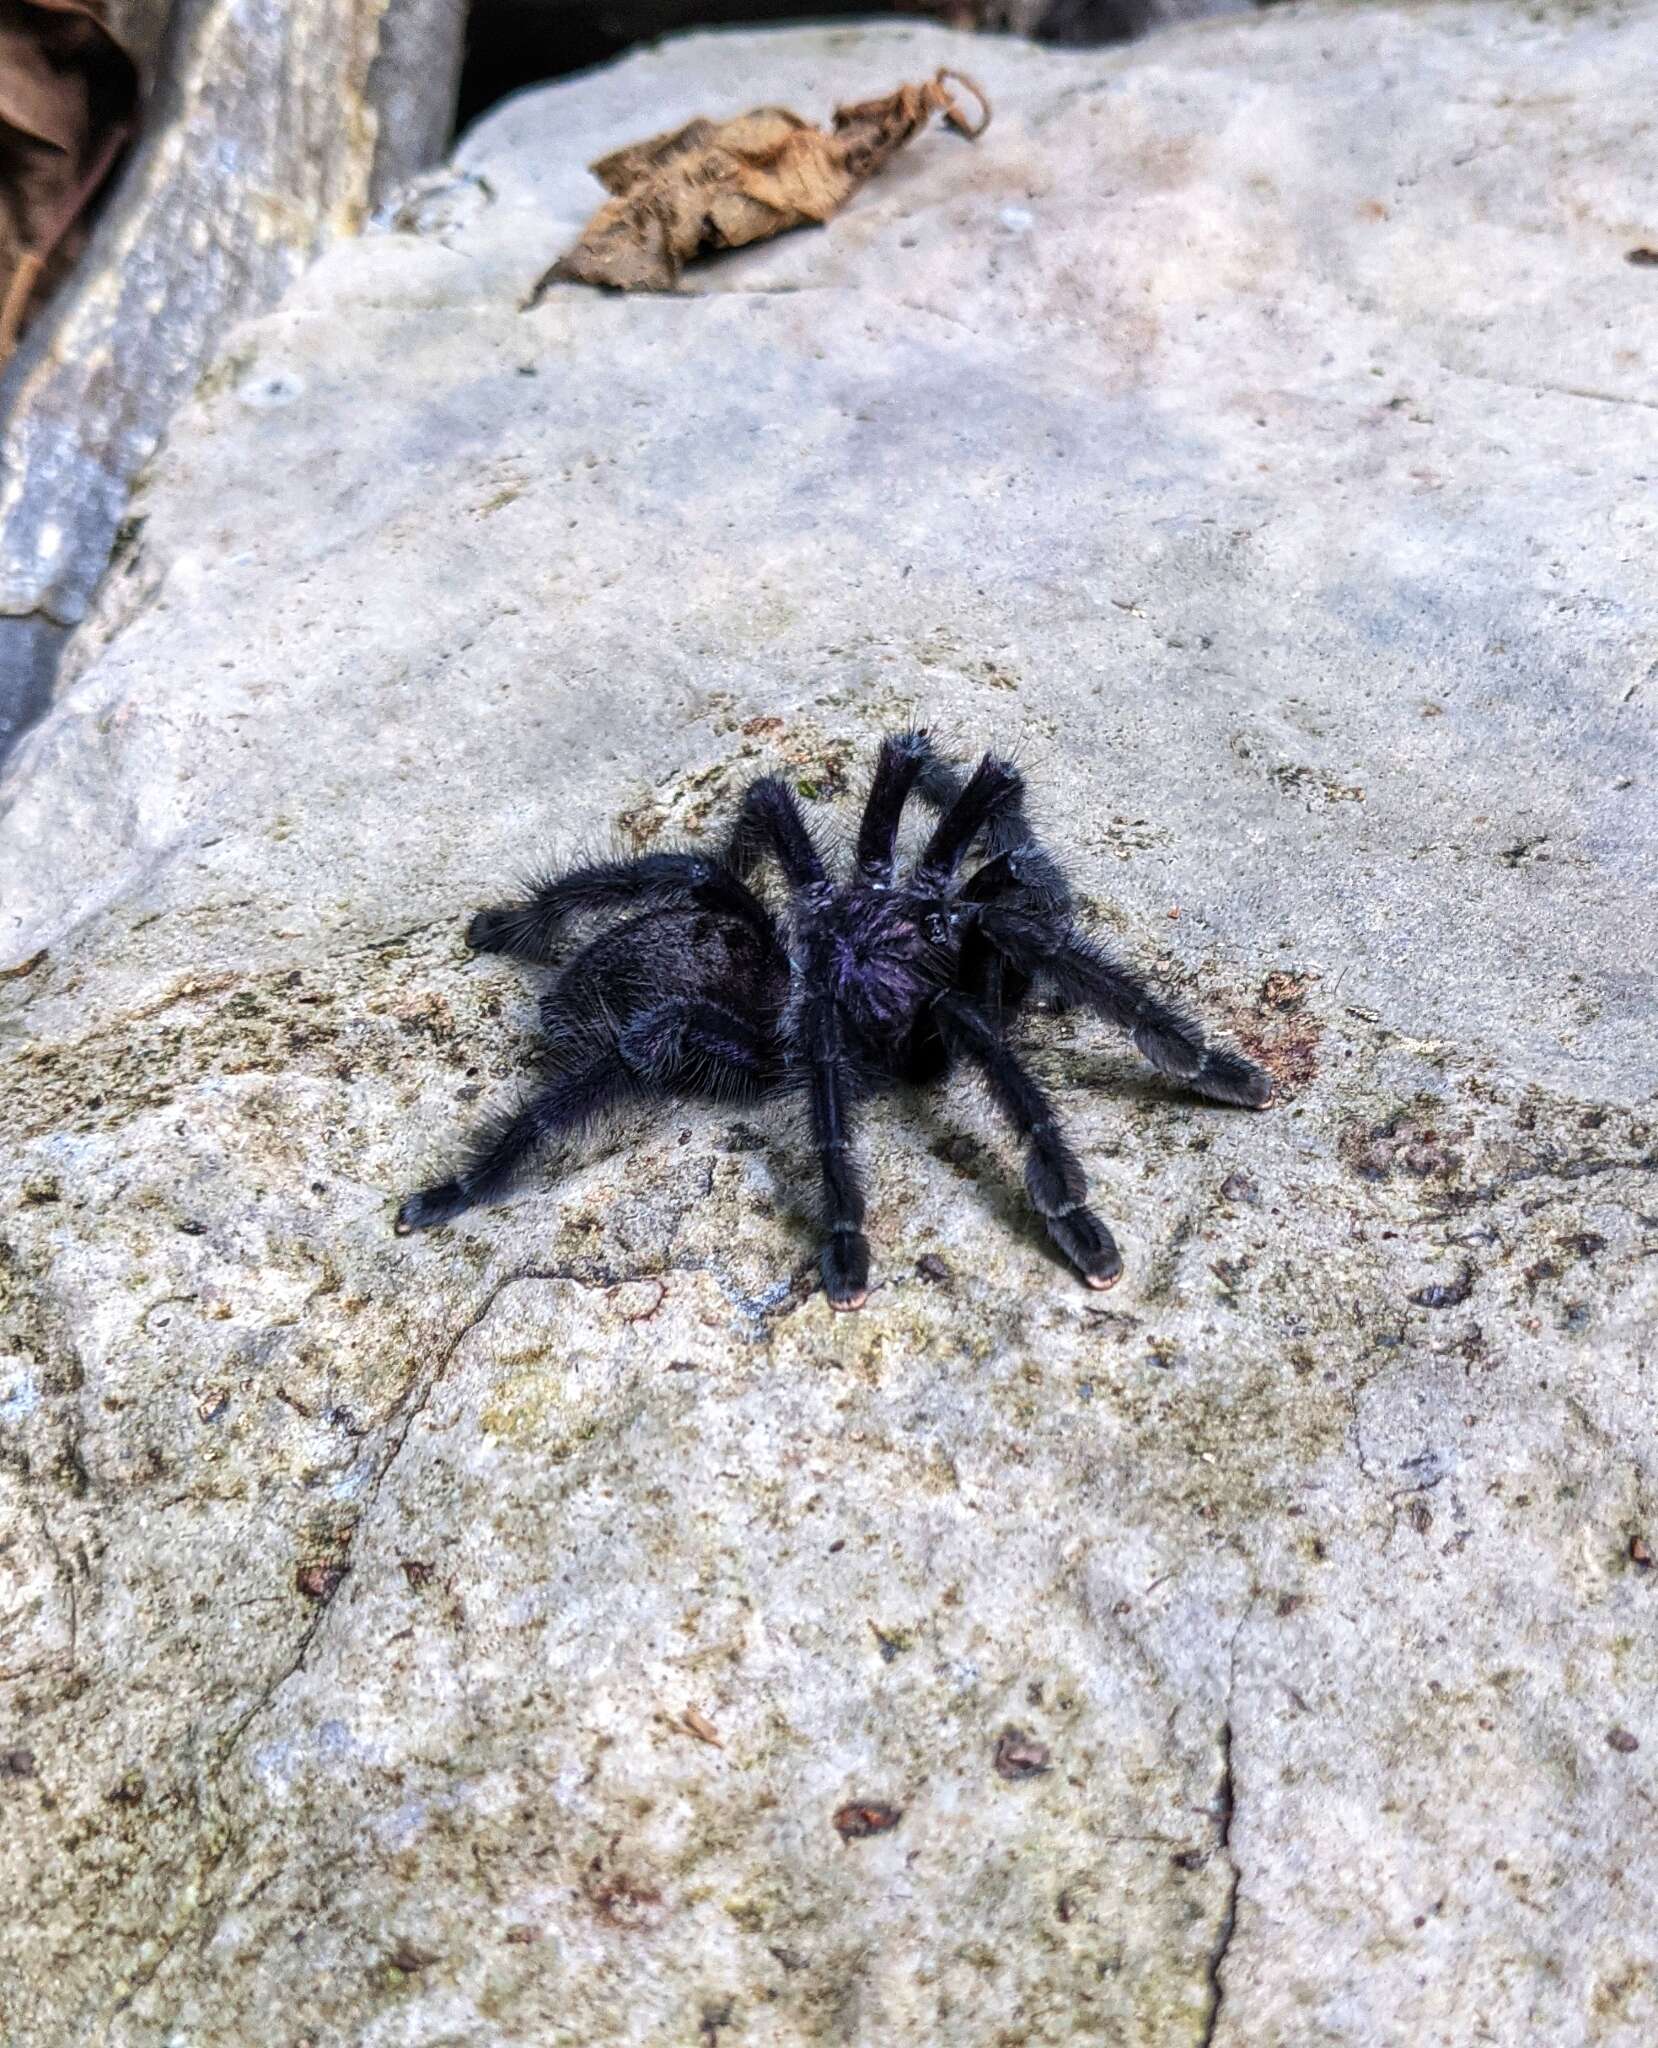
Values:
[(700, 990)]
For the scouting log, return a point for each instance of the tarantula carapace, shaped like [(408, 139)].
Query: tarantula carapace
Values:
[(696, 988)]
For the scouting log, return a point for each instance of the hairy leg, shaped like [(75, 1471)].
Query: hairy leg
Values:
[(1081, 972), (903, 755), (690, 1043), (1026, 871), (769, 820), (501, 1147), (993, 786), (845, 1249), (1053, 1174), (1008, 832), (530, 929)]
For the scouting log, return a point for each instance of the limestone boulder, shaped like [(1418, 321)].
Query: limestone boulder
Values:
[(475, 1638)]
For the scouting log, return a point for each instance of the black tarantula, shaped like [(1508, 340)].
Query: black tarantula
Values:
[(700, 990)]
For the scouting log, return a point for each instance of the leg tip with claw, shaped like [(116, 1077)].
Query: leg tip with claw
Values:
[(1089, 1246), (1229, 1077), (429, 1208), (846, 1270)]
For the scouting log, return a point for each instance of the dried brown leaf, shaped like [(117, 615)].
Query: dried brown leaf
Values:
[(699, 1725), (861, 1818), (723, 184), (1020, 1755), (68, 94)]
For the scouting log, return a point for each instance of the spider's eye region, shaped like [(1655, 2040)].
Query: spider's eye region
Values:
[(937, 927)]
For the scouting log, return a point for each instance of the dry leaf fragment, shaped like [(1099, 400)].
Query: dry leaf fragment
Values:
[(723, 184), (68, 99), (701, 1727), (1020, 1755), (320, 1581), (861, 1818)]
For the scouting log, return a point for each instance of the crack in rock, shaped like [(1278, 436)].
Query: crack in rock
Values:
[(1224, 1806), (1223, 1809), (410, 1404)]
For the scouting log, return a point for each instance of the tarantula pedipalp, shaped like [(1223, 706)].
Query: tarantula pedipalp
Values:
[(701, 991)]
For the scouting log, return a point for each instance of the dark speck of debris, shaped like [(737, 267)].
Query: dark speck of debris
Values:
[(416, 1572), (1283, 991), (1622, 1741), (860, 1818), (1238, 1187), (931, 1267), (408, 1959), (1452, 1296), (1399, 1145), (961, 1152), (1643, 259), (1019, 1755), (17, 1763), (1522, 851), (320, 1581), (1640, 1553), (892, 1644)]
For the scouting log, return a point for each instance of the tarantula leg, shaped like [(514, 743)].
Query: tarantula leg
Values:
[(1054, 1177), (1025, 869), (502, 1146), (702, 1043), (845, 1249), (1032, 870), (530, 929), (1081, 972), (770, 821), (902, 757), (993, 786)]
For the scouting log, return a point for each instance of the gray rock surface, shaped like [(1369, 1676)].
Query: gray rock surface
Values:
[(266, 132), (1258, 429)]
